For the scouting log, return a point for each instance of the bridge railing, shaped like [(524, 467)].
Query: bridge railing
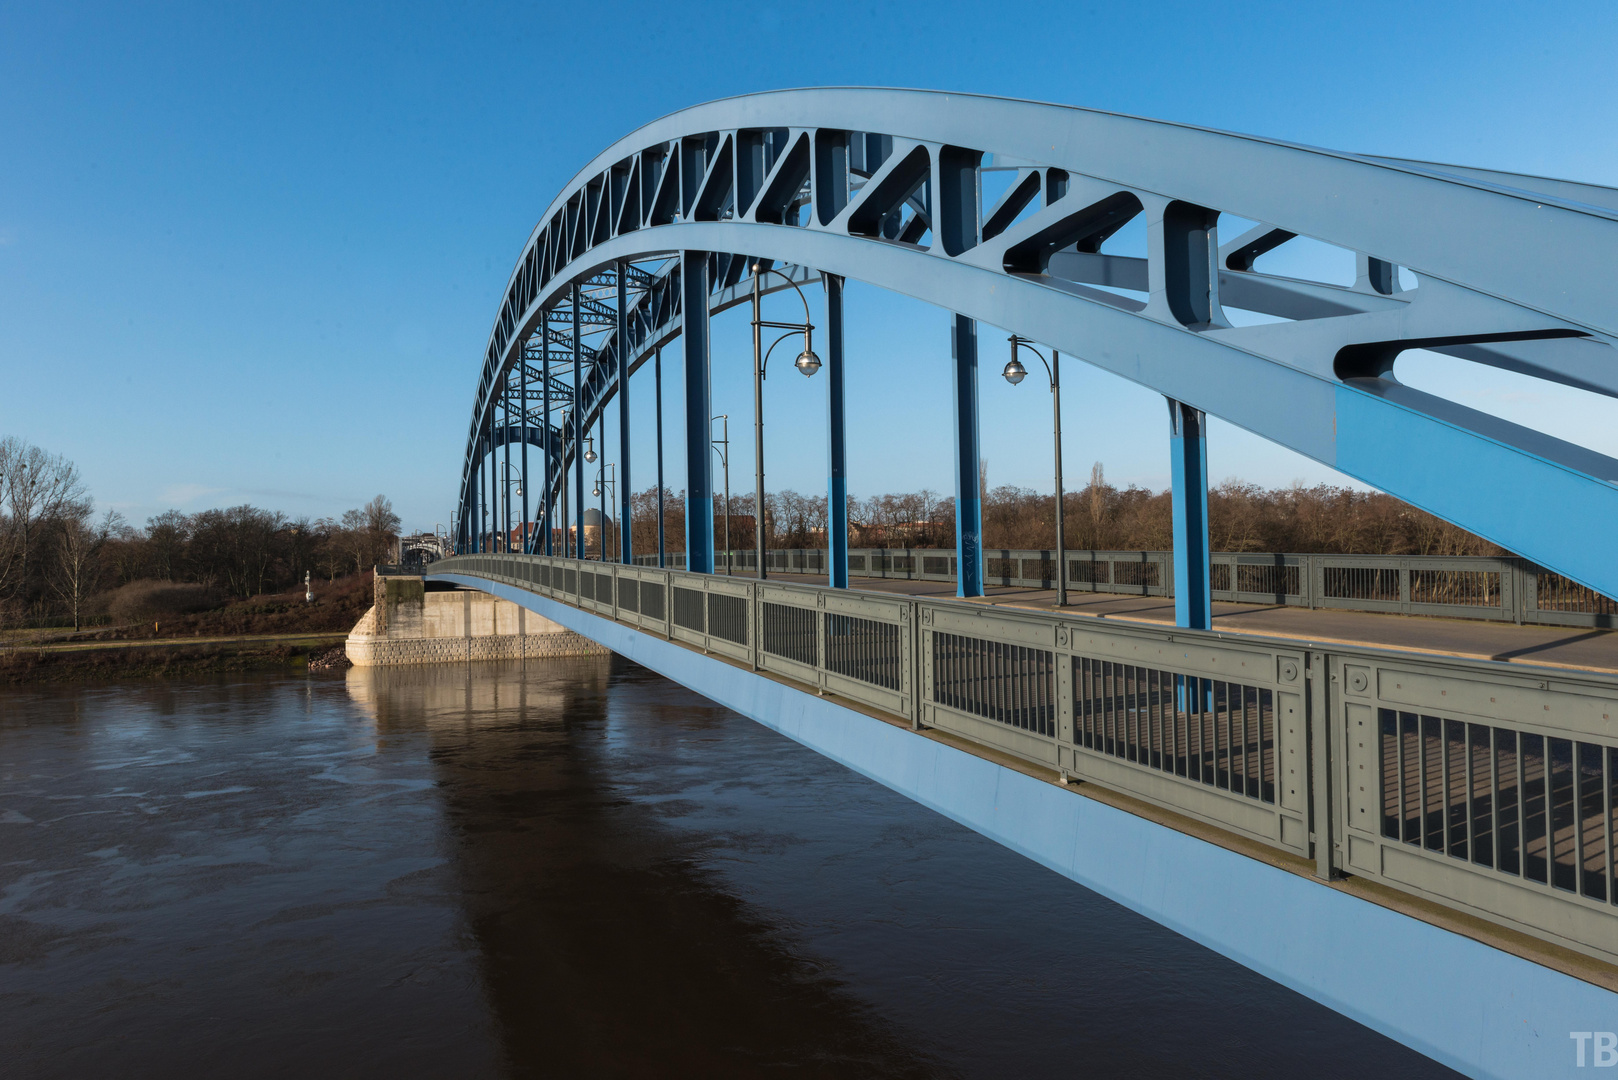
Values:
[(1467, 587), (1489, 788)]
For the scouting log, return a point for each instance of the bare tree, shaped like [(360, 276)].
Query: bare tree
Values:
[(167, 535), (76, 572), (353, 538), (381, 526), (36, 487)]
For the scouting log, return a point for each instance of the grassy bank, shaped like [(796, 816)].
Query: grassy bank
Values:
[(277, 632), (166, 659)]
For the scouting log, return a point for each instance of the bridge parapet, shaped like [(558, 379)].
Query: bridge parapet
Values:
[(1489, 789)]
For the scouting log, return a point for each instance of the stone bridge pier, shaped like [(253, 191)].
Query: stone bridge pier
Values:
[(412, 622)]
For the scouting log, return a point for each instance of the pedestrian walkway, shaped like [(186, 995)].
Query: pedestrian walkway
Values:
[(1571, 647)]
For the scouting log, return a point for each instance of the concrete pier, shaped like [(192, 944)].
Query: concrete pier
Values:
[(412, 624)]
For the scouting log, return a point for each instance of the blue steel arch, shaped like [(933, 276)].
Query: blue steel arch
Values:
[(884, 186)]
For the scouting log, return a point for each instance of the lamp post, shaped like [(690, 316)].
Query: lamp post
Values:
[(807, 362), (506, 482), (1015, 373), (590, 459), (722, 448), (608, 484)]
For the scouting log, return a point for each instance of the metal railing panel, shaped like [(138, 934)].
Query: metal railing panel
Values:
[(729, 615), (1212, 728), (688, 611), (1487, 789), (867, 650), (722, 625), (789, 631), (1261, 579), (640, 595), (991, 676)]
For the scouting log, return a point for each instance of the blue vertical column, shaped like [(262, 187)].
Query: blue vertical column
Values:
[(578, 431), (699, 553), (968, 497), (1188, 453), (493, 475), (505, 469), (657, 384), (490, 473), (545, 428), (522, 419), (626, 545), (837, 460), (601, 484)]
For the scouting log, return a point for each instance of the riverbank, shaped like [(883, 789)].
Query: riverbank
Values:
[(86, 661)]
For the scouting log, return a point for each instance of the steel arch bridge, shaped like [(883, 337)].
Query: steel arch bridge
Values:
[(661, 230)]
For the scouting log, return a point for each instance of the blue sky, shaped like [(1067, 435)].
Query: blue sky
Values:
[(251, 253)]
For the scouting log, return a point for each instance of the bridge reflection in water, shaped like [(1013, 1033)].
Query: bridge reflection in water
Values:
[(658, 886)]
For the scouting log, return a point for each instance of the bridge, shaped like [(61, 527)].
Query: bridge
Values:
[(1423, 842)]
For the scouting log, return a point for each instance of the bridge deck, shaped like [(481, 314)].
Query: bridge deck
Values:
[(1557, 646)]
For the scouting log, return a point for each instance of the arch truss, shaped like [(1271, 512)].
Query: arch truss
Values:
[(1001, 211)]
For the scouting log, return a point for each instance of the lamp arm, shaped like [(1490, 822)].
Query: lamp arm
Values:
[(1021, 344), (794, 284), (764, 365)]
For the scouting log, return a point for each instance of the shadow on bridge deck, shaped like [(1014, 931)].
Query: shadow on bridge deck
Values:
[(1553, 646)]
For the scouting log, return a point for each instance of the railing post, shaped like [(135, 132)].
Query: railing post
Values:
[(699, 549), (968, 493), (1188, 451), (1318, 699), (912, 632), (1520, 584)]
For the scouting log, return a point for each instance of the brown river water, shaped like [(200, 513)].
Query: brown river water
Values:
[(570, 869)]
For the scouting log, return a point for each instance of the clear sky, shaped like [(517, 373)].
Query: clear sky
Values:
[(252, 252)]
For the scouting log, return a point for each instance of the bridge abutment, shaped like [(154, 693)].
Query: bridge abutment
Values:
[(408, 624)]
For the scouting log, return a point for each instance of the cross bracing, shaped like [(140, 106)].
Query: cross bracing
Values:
[(886, 187)]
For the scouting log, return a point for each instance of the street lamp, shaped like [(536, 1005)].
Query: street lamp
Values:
[(807, 362), (590, 449), (610, 484), (506, 469), (722, 448), (1015, 373)]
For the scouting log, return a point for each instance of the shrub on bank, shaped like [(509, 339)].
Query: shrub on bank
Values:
[(148, 599)]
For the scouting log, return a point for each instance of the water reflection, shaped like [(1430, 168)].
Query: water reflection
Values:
[(608, 947), (572, 868)]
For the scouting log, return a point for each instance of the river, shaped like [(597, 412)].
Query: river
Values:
[(570, 869)]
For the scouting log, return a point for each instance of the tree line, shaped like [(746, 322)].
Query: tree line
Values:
[(59, 558), (1323, 519)]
